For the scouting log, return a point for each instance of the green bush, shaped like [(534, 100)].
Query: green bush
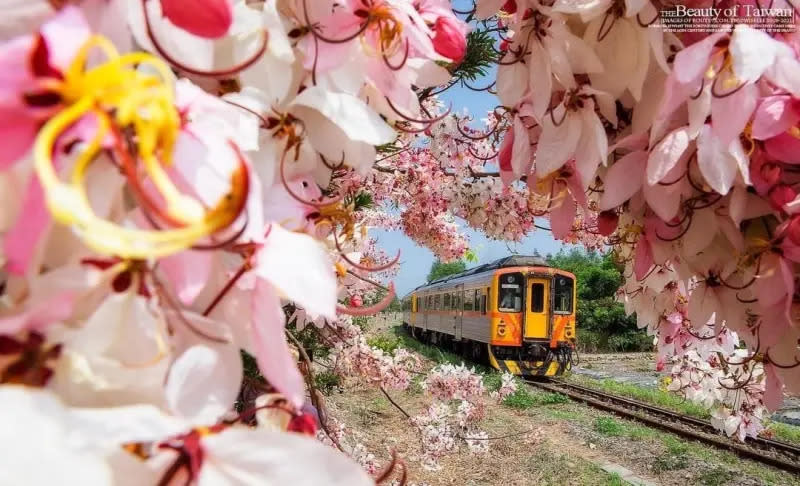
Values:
[(386, 343), (524, 398), (548, 398), (327, 381), (608, 426), (601, 321), (492, 381), (521, 399)]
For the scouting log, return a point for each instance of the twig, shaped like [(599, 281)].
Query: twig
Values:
[(370, 281), (309, 377), (246, 265), (395, 403), (515, 434)]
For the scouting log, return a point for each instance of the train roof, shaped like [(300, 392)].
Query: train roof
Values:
[(509, 261)]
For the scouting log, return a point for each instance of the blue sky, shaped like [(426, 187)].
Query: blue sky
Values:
[(415, 261)]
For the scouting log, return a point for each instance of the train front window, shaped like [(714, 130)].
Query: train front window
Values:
[(537, 297), (562, 294), (509, 295)]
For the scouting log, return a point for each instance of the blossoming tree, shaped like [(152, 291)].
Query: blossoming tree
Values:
[(173, 173)]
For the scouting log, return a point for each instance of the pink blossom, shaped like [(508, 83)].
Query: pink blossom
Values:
[(209, 18), (449, 38)]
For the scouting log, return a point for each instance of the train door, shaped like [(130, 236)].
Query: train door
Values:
[(428, 309), (458, 312), (414, 310), (537, 312)]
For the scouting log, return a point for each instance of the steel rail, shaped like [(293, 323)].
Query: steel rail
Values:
[(778, 454)]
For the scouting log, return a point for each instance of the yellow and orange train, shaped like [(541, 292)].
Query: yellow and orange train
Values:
[(517, 313)]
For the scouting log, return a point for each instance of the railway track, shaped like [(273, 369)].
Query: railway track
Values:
[(778, 454)]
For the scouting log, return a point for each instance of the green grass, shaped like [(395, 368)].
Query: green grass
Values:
[(784, 432), (547, 467), (405, 340), (616, 480), (779, 431), (558, 413), (716, 476), (379, 404), (524, 398), (653, 396), (675, 457), (415, 388), (608, 426), (387, 343), (678, 453), (492, 381)]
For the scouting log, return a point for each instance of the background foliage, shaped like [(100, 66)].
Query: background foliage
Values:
[(439, 269), (602, 323)]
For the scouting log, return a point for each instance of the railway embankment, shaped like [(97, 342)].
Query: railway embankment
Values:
[(537, 437)]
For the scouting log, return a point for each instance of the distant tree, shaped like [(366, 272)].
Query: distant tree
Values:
[(395, 306), (598, 275), (602, 323), (439, 269)]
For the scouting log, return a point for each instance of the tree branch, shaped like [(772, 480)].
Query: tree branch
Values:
[(395, 403)]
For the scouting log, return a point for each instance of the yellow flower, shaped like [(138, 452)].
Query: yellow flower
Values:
[(135, 108)]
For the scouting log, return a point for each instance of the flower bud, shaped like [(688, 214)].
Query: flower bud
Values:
[(304, 423), (204, 18), (450, 38), (510, 7)]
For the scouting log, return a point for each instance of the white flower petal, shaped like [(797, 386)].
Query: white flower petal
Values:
[(298, 265), (666, 154), (359, 122), (260, 457)]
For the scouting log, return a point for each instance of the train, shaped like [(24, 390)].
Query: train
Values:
[(516, 314)]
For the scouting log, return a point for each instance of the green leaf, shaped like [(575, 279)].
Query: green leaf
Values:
[(479, 57)]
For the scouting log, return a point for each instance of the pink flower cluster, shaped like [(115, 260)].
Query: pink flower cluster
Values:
[(508, 385), (453, 382), (352, 356)]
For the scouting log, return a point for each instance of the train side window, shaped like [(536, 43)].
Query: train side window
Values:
[(509, 295), (469, 300), (437, 302), (483, 302), (446, 301), (562, 294), (537, 297)]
